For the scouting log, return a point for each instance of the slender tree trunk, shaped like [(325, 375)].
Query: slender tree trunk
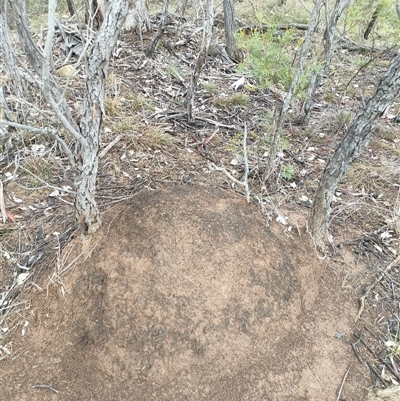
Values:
[(398, 8), (93, 111), (35, 57), (355, 139), (288, 98), (330, 47), (71, 7), (30, 49), (181, 7), (7, 51), (95, 12), (230, 27), (372, 23), (150, 49), (201, 58)]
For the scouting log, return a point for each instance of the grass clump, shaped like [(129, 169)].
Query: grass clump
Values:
[(151, 137), (288, 172), (210, 87), (139, 103), (238, 99)]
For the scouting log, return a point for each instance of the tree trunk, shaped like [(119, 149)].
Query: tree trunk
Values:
[(35, 57), (181, 7), (355, 139), (288, 98), (372, 23), (138, 17), (201, 58), (152, 46), (93, 111), (329, 46), (230, 27), (71, 7), (7, 52)]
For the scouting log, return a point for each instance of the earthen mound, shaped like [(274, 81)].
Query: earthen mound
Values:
[(189, 295)]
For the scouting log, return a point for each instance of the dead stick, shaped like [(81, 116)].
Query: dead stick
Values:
[(373, 369), (369, 288), (109, 146), (211, 137), (45, 386), (341, 386)]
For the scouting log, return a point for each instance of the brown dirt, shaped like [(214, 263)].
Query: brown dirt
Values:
[(189, 295)]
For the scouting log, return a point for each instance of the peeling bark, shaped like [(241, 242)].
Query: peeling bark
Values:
[(93, 111), (354, 140)]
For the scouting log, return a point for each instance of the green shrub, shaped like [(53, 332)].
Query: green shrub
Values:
[(269, 59)]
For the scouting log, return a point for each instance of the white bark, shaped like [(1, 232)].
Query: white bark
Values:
[(87, 136)]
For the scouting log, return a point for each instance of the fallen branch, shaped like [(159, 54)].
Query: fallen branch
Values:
[(46, 386), (264, 27)]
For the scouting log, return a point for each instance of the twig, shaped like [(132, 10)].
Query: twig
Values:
[(370, 287), (389, 366), (43, 131), (2, 204), (46, 386), (353, 345), (211, 137), (48, 185), (360, 339), (229, 175), (216, 123), (109, 146), (246, 164), (244, 182), (341, 386)]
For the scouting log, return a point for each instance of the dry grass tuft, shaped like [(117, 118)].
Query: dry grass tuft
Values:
[(236, 99), (374, 178), (150, 137)]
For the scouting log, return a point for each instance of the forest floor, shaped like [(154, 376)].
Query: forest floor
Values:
[(188, 291)]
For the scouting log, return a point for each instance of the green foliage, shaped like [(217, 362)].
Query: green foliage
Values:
[(270, 59), (386, 29), (288, 172), (210, 86)]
